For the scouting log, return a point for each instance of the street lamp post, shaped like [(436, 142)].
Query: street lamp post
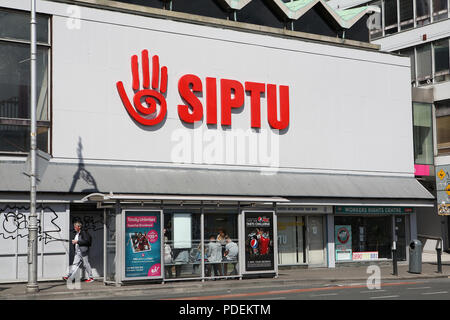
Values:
[(32, 285)]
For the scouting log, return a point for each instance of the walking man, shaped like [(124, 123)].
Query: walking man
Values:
[(82, 242)]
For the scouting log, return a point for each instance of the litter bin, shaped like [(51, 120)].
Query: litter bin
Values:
[(415, 257)]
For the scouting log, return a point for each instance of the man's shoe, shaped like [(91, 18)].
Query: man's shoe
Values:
[(89, 280)]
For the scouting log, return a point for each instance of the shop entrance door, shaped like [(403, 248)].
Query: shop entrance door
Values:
[(316, 252), (290, 240), (400, 237)]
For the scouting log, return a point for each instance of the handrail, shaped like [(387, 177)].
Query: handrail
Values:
[(438, 244)]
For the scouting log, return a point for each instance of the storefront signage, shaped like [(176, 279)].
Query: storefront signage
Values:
[(369, 255), (142, 244), (304, 209), (373, 210), (259, 232), (343, 242), (150, 93)]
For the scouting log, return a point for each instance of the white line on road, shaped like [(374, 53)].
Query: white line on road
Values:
[(440, 292), (417, 288), (373, 291), (384, 297), (277, 298), (324, 294)]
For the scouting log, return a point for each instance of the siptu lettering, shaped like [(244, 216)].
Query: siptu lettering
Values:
[(149, 105), (232, 97)]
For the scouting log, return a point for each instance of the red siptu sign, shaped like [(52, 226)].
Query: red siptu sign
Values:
[(232, 94)]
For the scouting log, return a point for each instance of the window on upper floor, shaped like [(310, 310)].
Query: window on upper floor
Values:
[(441, 60), (443, 127), (376, 26), (15, 82), (423, 133), (422, 12), (406, 14), (440, 10), (430, 62), (424, 64), (390, 16), (400, 15)]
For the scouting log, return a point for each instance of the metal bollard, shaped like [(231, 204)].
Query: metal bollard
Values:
[(394, 259), (439, 262), (439, 252)]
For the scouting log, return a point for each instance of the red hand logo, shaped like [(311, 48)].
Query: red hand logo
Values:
[(146, 115)]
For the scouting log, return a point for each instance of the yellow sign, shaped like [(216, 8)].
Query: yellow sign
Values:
[(448, 189), (441, 174), (443, 210)]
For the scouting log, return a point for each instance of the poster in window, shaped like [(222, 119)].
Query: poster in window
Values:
[(142, 244), (343, 242), (182, 231), (259, 253)]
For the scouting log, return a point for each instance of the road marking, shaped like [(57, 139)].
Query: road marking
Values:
[(276, 298), (440, 292), (384, 297), (323, 295), (372, 291), (287, 291), (418, 288)]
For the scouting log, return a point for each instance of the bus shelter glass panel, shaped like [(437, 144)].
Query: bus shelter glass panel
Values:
[(110, 246), (221, 244), (182, 245)]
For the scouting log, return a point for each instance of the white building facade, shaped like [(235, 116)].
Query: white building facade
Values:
[(152, 123)]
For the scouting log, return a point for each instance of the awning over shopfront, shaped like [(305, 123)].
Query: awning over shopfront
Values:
[(99, 197), (305, 188)]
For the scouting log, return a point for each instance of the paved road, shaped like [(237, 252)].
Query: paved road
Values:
[(424, 289)]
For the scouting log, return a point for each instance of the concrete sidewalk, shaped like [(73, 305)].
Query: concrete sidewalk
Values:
[(297, 277)]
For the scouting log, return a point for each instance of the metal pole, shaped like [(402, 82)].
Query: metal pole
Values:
[(202, 239), (439, 252), (32, 285), (439, 262), (394, 258)]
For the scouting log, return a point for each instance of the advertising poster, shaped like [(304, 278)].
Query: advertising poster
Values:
[(443, 189), (343, 242), (143, 244), (259, 253)]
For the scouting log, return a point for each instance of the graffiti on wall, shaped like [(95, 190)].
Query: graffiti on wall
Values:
[(90, 222), (14, 223)]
